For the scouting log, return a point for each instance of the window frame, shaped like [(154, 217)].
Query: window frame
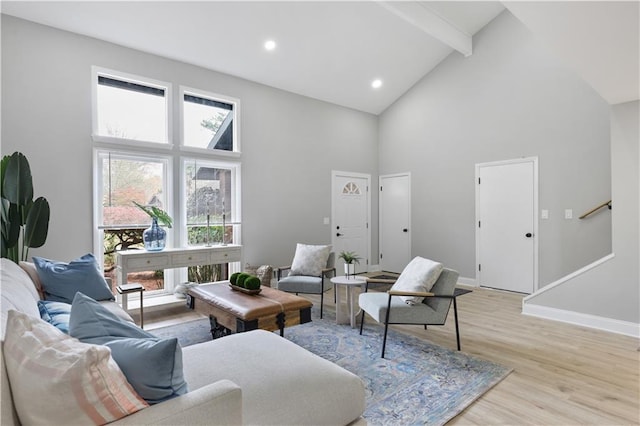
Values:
[(97, 72), (236, 152), (235, 220), (98, 218)]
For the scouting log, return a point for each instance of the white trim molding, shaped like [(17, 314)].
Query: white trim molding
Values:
[(471, 282), (569, 277), (585, 320)]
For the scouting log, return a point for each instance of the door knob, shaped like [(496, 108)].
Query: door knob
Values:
[(405, 230), (338, 234), (528, 235)]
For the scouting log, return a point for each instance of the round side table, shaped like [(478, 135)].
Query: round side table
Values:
[(347, 316)]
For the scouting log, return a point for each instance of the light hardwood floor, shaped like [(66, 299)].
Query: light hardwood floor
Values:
[(562, 374)]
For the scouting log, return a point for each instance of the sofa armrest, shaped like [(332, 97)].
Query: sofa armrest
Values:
[(219, 403)]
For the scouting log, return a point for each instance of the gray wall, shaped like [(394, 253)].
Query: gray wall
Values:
[(612, 290), (510, 99), (290, 143)]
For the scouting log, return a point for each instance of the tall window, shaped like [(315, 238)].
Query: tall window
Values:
[(122, 179), (135, 161)]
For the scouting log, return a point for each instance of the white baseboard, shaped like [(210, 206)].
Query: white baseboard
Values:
[(374, 268), (585, 320), (467, 281)]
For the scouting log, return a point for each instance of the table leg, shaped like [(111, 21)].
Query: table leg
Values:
[(352, 318), (341, 315), (141, 310), (280, 320), (125, 302)]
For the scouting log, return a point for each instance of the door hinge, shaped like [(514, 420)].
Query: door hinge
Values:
[(478, 224), (367, 261), (381, 188), (478, 181), (380, 255), (367, 225), (479, 267)]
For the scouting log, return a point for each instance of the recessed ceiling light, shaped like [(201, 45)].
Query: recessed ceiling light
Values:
[(270, 45), (376, 84)]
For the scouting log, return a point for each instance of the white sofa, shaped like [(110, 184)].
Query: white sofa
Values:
[(248, 378)]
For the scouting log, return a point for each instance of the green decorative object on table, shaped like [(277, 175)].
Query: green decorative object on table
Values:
[(241, 279), (252, 283), (233, 279)]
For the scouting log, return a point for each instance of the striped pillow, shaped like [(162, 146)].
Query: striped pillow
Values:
[(55, 313), (72, 382)]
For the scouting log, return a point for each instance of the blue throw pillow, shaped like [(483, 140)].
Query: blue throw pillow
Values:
[(61, 281), (55, 313), (153, 366)]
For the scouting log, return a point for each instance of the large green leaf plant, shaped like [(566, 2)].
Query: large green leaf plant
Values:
[(25, 222)]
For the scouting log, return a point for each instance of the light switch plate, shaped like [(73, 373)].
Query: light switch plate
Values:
[(544, 214), (325, 220), (568, 214)]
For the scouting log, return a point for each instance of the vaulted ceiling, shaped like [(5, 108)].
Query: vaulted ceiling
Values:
[(328, 50), (333, 50)]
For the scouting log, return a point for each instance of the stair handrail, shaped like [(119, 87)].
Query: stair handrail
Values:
[(595, 209)]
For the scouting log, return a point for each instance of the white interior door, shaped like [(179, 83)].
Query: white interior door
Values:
[(395, 221), (350, 213), (507, 225)]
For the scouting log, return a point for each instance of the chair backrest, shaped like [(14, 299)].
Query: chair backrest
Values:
[(331, 260), (445, 286), (331, 263)]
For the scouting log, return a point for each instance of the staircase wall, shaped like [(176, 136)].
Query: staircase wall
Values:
[(606, 294)]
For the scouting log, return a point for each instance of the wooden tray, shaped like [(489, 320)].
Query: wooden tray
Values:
[(245, 290)]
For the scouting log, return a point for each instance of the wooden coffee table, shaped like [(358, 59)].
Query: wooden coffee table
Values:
[(232, 311)]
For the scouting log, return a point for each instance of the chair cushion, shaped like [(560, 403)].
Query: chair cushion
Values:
[(303, 284), (375, 304), (419, 275), (310, 260), (55, 313), (55, 379), (62, 280), (152, 365)]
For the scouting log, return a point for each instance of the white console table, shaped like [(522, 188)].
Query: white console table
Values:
[(142, 260)]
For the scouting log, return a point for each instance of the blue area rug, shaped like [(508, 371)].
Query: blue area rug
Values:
[(417, 383)]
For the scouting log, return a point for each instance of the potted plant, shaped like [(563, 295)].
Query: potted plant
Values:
[(155, 237), (25, 222), (350, 259)]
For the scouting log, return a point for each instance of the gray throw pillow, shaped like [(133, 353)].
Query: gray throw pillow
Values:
[(310, 260)]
